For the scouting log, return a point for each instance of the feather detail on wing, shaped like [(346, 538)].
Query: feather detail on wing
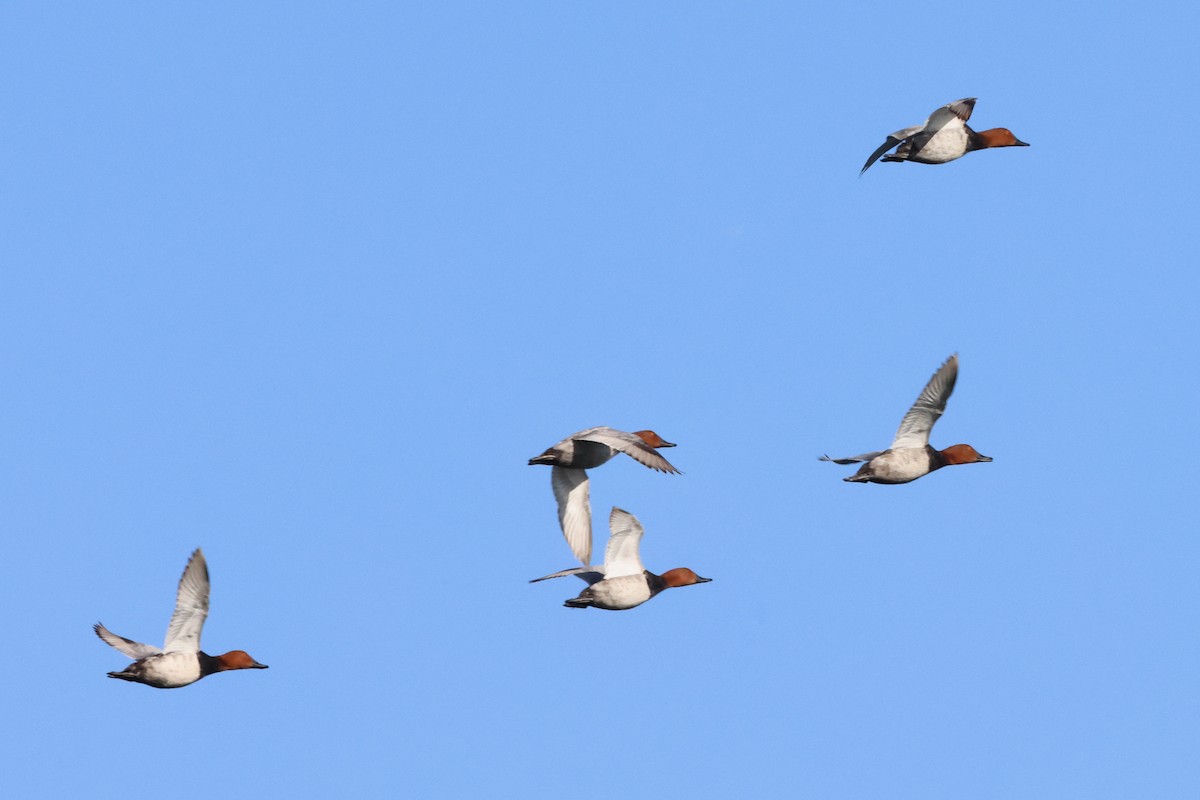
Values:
[(950, 115), (918, 422), (960, 108), (621, 555), (574, 510), (135, 650), (191, 608)]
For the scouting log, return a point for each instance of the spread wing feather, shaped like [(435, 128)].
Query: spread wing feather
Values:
[(853, 459), (135, 650), (918, 422), (589, 574), (191, 608), (621, 556), (574, 510)]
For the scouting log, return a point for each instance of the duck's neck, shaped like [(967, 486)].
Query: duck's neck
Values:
[(656, 583), (209, 664)]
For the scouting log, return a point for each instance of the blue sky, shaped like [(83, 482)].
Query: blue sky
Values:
[(307, 285)]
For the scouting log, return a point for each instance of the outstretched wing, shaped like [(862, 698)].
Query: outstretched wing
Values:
[(918, 422), (631, 445), (853, 459), (892, 140), (589, 574), (574, 510), (191, 608), (135, 650), (621, 556)]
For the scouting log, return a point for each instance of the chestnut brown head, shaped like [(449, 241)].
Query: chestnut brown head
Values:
[(682, 576), (1000, 137), (963, 454), (238, 659), (653, 439)]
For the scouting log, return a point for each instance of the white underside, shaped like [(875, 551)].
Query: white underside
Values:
[(901, 465), (171, 670), (946, 145), (618, 594)]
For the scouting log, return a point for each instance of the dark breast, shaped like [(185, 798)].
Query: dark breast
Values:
[(208, 664), (974, 142), (657, 584)]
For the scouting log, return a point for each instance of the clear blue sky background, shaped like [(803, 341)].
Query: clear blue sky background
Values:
[(308, 285)]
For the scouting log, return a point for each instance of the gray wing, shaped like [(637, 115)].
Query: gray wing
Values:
[(574, 510), (631, 445), (892, 140), (854, 459), (955, 113), (621, 555), (918, 422), (947, 119), (589, 574), (191, 608), (135, 650)]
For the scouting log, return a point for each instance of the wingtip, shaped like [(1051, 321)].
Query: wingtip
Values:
[(197, 557)]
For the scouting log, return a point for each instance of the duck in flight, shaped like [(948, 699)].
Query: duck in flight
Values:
[(180, 661), (622, 582), (944, 137), (910, 455)]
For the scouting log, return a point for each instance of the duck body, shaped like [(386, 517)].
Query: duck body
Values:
[(169, 670), (944, 137), (934, 148), (900, 465), (618, 594)]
